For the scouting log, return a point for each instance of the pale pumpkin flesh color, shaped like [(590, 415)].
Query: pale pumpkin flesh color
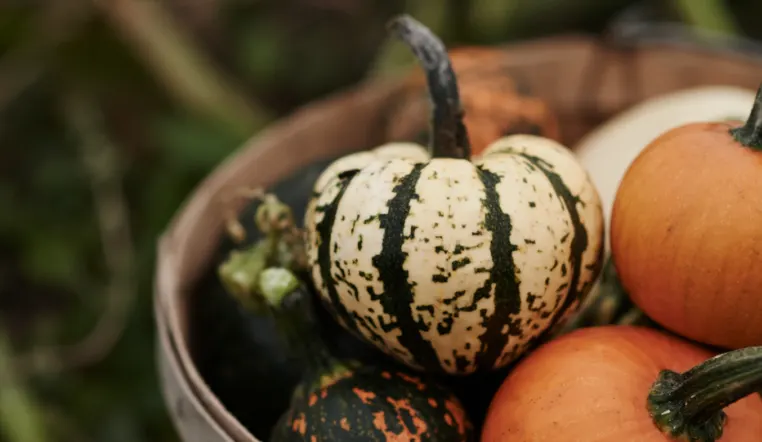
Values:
[(591, 386), (360, 160), (686, 235), (457, 300)]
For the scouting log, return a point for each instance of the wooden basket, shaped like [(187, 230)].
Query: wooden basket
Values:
[(584, 80)]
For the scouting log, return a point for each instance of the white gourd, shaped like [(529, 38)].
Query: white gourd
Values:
[(607, 151), (451, 263)]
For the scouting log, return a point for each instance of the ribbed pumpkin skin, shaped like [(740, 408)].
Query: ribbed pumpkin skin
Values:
[(686, 233), (456, 266), (591, 385), (495, 104), (368, 404)]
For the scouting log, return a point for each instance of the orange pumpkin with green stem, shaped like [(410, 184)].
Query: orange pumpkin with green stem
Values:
[(628, 384), (686, 231)]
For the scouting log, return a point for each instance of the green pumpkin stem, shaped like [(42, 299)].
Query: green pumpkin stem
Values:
[(262, 278), (689, 406), (750, 134), (449, 137), (264, 288), (241, 271), (290, 303), (260, 285)]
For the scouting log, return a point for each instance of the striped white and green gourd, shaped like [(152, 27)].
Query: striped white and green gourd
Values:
[(451, 264)]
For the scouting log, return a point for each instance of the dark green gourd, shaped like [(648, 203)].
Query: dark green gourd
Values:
[(240, 357), (239, 354), (345, 400)]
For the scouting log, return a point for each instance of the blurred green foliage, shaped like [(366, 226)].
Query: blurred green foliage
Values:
[(175, 87)]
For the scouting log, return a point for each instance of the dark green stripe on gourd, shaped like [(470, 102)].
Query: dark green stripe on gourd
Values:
[(397, 300), (324, 228), (502, 275), (579, 240)]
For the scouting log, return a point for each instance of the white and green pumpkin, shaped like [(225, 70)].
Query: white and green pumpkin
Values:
[(446, 263)]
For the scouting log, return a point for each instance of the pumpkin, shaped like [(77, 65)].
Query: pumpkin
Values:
[(495, 103), (447, 264), (686, 231), (625, 383), (345, 400)]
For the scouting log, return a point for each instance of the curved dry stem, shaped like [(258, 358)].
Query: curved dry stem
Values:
[(449, 136), (233, 226), (100, 158), (189, 76)]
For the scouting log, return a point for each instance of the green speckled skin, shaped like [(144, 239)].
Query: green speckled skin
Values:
[(371, 404)]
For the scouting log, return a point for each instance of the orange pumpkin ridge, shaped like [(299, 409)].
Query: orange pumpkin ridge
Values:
[(686, 231)]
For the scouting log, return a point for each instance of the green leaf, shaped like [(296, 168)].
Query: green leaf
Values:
[(260, 51), (21, 415), (194, 144), (53, 259)]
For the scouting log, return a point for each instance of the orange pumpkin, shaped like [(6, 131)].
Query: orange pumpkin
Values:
[(603, 384), (686, 231), (494, 103)]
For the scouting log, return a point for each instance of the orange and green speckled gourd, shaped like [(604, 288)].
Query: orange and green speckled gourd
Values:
[(347, 401), (337, 399)]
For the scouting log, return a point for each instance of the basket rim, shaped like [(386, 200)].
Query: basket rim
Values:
[(174, 368)]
